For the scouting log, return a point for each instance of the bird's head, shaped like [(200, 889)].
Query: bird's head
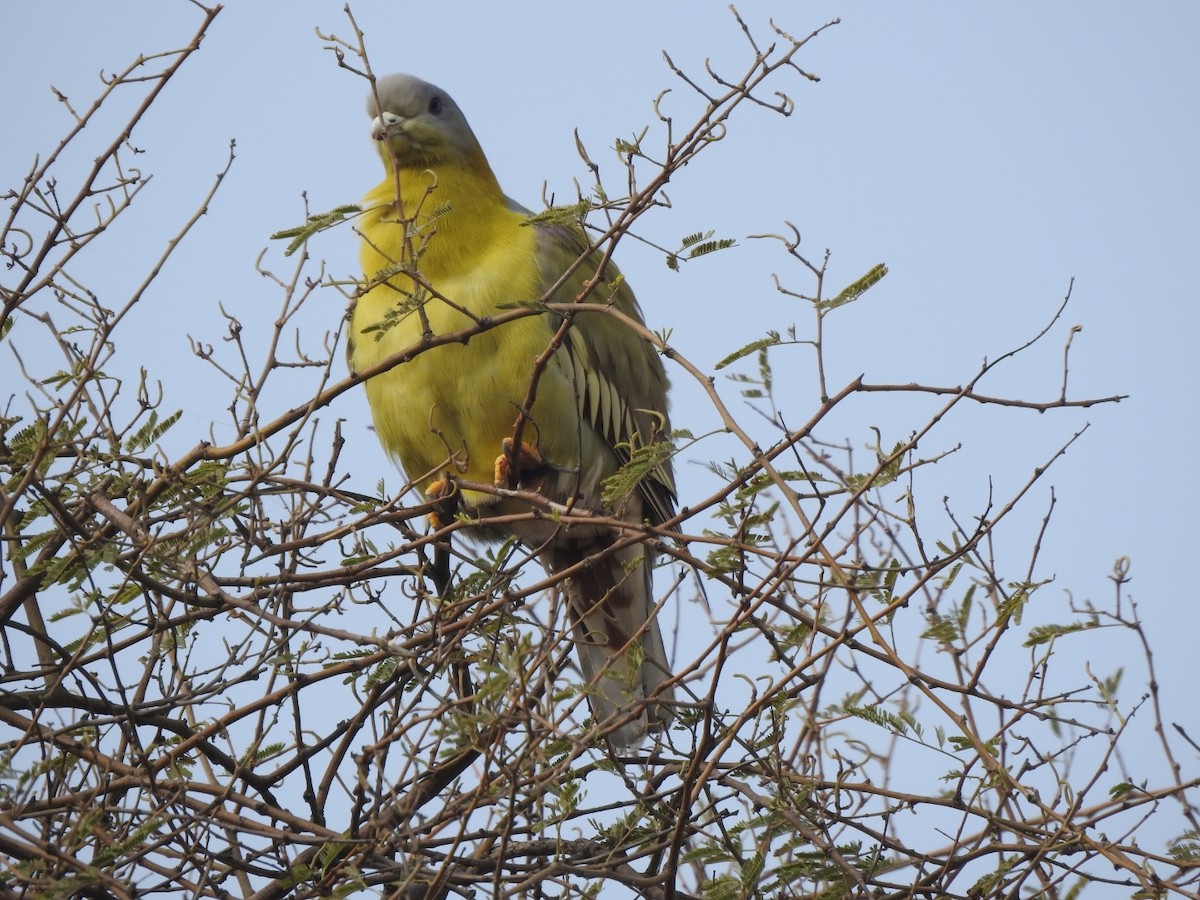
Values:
[(420, 126)]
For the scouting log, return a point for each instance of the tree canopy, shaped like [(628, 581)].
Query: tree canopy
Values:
[(229, 671)]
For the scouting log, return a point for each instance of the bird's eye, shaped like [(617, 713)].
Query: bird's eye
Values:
[(435, 105)]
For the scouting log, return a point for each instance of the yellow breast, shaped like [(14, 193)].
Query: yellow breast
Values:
[(451, 406)]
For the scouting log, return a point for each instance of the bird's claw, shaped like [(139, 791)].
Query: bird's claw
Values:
[(443, 494), (524, 460)]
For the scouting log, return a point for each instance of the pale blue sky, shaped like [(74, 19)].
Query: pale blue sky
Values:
[(987, 154)]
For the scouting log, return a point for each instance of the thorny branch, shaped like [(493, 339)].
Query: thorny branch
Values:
[(225, 671)]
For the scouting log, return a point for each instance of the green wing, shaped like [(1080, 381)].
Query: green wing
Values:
[(621, 385)]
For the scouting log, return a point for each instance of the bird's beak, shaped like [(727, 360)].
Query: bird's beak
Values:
[(386, 126)]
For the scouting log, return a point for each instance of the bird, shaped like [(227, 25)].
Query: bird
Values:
[(446, 253)]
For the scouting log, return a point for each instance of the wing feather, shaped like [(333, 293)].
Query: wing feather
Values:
[(621, 386), (620, 389)]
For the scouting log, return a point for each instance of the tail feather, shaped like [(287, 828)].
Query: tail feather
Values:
[(619, 645)]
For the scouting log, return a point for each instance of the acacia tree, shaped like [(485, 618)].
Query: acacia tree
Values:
[(224, 673)]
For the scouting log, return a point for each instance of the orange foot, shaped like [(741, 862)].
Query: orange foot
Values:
[(443, 494), (527, 459)]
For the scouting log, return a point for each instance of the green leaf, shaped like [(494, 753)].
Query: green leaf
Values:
[(941, 630), (725, 887), (772, 339), (710, 247), (150, 432), (1117, 791), (900, 724), (698, 244), (1186, 847), (1044, 634), (573, 214), (643, 463), (314, 225), (856, 289), (988, 884)]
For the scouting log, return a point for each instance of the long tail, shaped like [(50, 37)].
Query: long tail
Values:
[(619, 644)]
